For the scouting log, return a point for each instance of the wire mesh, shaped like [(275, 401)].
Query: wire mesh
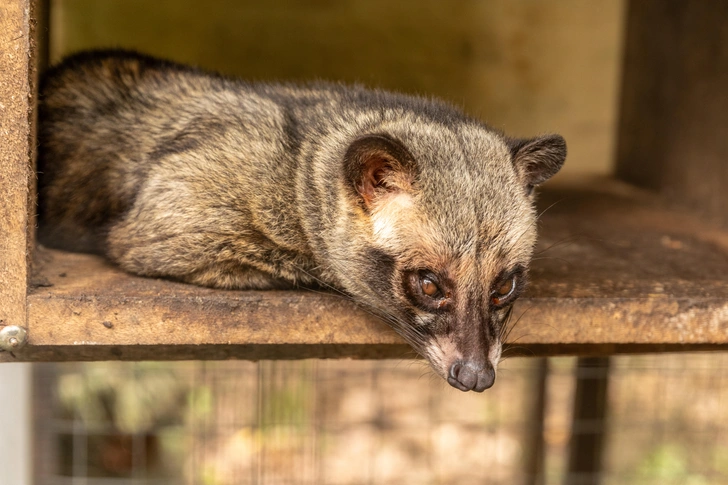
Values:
[(373, 422)]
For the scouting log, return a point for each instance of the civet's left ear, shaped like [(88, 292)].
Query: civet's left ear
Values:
[(538, 159), (377, 165)]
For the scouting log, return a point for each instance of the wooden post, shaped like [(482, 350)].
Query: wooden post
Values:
[(588, 422), (535, 454), (674, 106), (15, 423), (15, 111)]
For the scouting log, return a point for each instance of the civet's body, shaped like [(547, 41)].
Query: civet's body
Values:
[(414, 210)]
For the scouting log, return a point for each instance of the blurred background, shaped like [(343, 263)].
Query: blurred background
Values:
[(524, 66), (376, 422)]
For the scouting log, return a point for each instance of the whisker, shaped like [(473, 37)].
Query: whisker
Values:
[(519, 338), (538, 218), (564, 240), (412, 334), (508, 333), (563, 260), (506, 321), (383, 315), (511, 350), (549, 207), (568, 240)]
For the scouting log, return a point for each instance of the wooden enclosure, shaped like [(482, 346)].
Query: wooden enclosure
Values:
[(619, 268)]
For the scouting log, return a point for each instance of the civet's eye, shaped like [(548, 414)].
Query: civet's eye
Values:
[(427, 291), (429, 287), (503, 291)]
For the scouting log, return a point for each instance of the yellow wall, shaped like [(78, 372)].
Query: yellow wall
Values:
[(525, 66)]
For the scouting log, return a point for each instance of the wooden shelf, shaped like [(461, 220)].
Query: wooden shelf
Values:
[(617, 270)]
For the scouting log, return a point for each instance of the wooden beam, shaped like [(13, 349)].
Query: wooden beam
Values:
[(15, 109), (615, 272)]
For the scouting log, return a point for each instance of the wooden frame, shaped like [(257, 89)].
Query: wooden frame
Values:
[(622, 271), (15, 155)]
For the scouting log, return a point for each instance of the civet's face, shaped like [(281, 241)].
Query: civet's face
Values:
[(450, 247)]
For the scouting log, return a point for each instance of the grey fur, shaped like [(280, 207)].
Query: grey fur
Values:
[(173, 172)]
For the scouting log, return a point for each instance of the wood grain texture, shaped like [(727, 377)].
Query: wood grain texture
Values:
[(615, 272), (623, 270), (15, 106)]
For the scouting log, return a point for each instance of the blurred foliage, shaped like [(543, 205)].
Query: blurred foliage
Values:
[(377, 422), (200, 402), (134, 399), (668, 463)]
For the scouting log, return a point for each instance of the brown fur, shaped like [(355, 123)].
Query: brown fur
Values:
[(173, 172)]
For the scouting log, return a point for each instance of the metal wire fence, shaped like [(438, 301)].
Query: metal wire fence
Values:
[(376, 422)]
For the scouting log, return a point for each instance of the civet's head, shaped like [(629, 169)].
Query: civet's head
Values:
[(452, 226)]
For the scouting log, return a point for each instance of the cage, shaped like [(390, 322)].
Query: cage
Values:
[(634, 261)]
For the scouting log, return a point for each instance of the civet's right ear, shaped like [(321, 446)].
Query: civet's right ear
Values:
[(538, 159), (377, 165)]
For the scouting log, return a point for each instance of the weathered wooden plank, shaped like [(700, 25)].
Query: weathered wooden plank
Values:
[(97, 304), (14, 158), (624, 271), (616, 272)]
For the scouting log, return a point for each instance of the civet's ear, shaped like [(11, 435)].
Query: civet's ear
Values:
[(538, 159), (376, 165)]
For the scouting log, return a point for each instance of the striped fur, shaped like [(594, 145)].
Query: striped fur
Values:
[(173, 172)]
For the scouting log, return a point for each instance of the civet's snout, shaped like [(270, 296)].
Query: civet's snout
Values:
[(471, 376)]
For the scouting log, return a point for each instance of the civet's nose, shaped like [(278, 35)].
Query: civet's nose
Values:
[(467, 376)]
